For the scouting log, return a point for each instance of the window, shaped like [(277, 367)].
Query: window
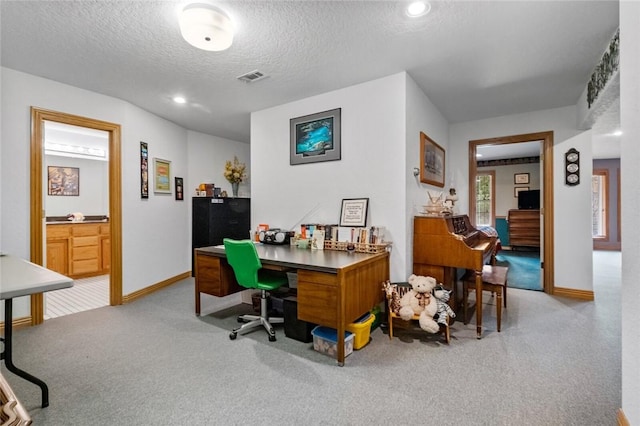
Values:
[(599, 204), (485, 199)]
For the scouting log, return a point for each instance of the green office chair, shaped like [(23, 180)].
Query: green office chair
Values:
[(243, 258)]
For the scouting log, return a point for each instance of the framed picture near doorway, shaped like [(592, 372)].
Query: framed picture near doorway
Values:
[(431, 162), (162, 176), (179, 189), (521, 178), (64, 181), (144, 170)]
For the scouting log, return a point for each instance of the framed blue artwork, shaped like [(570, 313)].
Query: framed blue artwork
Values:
[(315, 138)]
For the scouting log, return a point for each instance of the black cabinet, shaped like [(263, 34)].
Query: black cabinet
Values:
[(216, 218)]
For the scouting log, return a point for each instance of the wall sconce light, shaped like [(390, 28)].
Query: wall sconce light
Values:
[(206, 27), (416, 171)]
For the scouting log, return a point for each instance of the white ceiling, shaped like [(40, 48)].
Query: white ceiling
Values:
[(473, 59)]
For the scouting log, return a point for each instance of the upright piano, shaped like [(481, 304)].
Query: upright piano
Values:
[(441, 244)]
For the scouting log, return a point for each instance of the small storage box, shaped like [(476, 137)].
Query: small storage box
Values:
[(293, 279), (293, 327), (362, 329), (325, 339)]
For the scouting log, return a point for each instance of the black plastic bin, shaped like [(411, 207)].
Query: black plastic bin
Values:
[(293, 327)]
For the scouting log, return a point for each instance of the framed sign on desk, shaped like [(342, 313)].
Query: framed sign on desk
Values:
[(354, 212)]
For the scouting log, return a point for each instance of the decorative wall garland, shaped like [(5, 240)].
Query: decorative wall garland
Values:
[(608, 65)]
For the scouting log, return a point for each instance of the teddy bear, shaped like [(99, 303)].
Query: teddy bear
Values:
[(419, 301), (442, 296)]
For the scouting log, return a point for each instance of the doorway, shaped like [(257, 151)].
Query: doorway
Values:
[(546, 211), (38, 119)]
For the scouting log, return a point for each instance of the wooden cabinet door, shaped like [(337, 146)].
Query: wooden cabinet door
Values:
[(58, 256)]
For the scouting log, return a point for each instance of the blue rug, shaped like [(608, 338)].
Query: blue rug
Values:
[(524, 268)]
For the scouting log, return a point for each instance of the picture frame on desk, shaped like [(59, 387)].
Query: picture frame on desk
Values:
[(315, 138), (354, 212), (432, 162)]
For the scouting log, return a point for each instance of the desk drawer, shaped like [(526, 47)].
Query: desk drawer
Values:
[(318, 298), (214, 276)]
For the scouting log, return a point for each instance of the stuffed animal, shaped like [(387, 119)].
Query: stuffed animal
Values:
[(418, 301), (392, 295), (442, 296)]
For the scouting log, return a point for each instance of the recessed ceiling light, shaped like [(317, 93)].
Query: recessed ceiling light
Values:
[(617, 133), (179, 100), (418, 8)]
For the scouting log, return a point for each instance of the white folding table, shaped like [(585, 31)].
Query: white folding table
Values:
[(19, 277)]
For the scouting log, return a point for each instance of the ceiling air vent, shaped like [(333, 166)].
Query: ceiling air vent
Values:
[(252, 76)]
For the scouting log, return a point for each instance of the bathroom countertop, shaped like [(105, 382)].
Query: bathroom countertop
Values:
[(57, 220)]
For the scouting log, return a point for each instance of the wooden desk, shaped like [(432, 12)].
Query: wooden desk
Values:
[(334, 287), (19, 277)]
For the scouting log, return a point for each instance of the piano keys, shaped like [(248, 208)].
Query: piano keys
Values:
[(443, 243)]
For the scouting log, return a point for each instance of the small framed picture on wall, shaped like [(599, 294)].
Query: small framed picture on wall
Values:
[(179, 189), (521, 178)]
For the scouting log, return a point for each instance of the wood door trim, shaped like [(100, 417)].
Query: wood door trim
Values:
[(547, 185), (38, 117)]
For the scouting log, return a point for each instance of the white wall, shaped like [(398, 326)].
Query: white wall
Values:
[(422, 116), (93, 198), (572, 205), (156, 232), (630, 159), (206, 158), (504, 197), (373, 163)]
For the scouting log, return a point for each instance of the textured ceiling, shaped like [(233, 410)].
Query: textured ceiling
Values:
[(474, 60)]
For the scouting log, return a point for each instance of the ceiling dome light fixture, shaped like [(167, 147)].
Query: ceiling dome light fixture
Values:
[(179, 100), (418, 8), (206, 27)]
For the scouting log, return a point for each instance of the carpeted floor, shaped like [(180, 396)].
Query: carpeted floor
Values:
[(154, 362), (524, 268)]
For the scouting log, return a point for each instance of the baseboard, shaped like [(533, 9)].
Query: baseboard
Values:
[(155, 287), (574, 293), (26, 321), (19, 322), (622, 419)]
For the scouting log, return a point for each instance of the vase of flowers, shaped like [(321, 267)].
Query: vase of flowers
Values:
[(235, 172)]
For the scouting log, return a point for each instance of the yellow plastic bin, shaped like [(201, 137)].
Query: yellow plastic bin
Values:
[(361, 328)]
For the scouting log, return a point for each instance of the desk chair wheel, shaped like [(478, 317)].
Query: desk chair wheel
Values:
[(233, 335), (272, 338)]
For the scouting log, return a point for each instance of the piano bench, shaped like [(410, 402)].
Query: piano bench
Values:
[(494, 279), (394, 292)]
